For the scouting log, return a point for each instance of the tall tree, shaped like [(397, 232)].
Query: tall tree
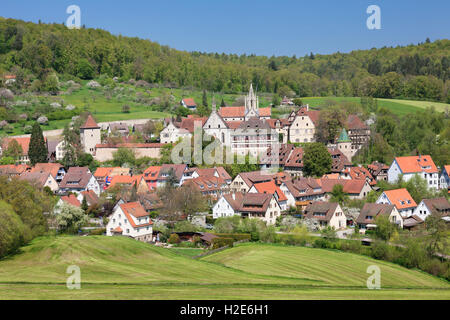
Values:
[(37, 150), (316, 159), (204, 99)]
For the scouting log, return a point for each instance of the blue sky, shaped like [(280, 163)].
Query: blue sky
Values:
[(276, 27)]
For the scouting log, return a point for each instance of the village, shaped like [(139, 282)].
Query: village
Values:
[(134, 199)]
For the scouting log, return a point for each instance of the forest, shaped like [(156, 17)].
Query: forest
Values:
[(35, 52)]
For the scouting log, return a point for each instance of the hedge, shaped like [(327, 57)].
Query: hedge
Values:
[(234, 236), (222, 242)]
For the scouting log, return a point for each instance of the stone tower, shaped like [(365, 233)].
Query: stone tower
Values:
[(90, 135), (251, 104), (344, 144)]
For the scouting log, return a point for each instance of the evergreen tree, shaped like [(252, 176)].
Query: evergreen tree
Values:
[(222, 104), (204, 99), (84, 204), (134, 196), (37, 151)]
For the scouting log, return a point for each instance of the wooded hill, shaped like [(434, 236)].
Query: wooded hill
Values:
[(33, 51)]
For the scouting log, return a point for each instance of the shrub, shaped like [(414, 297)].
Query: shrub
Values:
[(254, 236), (234, 236), (97, 232), (321, 243), (174, 239), (222, 242), (380, 251)]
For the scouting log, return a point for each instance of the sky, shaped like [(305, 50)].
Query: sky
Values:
[(275, 27)]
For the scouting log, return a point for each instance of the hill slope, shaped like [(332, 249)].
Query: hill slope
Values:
[(121, 268), (35, 50)]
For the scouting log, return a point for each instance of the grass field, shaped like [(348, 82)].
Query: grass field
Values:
[(121, 268), (397, 106), (106, 104)]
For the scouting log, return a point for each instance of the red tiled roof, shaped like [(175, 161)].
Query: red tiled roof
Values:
[(71, 199), (23, 142), (312, 114), (239, 112), (90, 123), (189, 102), (320, 207), (355, 123), (400, 198), (91, 197), (271, 188), (130, 145), (189, 123), (151, 173), (373, 210), (51, 168), (414, 164), (137, 210)]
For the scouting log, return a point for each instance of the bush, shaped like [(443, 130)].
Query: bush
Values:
[(254, 236), (97, 232), (222, 242), (174, 239), (235, 236), (380, 251), (321, 243)]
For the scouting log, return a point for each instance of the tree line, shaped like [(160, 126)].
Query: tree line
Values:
[(34, 52)]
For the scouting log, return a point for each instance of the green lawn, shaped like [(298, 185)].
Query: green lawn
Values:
[(121, 268), (398, 107)]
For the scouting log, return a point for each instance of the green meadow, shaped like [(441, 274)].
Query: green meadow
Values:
[(122, 268)]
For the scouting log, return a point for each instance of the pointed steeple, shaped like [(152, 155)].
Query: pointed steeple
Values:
[(343, 137), (90, 123)]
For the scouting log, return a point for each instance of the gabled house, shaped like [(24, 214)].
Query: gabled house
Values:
[(358, 173), (327, 214), (151, 176), (189, 103), (378, 170), (370, 211), (41, 179), (166, 169), (91, 197), (104, 175), (12, 170), (208, 185), (55, 169), (78, 179), (444, 180), (228, 205), (426, 207), (401, 199), (130, 219), (130, 181), (119, 129), (70, 199), (245, 180), (414, 165), (271, 188), (355, 189), (261, 206), (303, 125), (302, 191)]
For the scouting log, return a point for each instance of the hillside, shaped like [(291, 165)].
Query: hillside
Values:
[(35, 51), (121, 268)]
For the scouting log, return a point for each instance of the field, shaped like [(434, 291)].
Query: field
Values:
[(106, 104), (397, 106), (121, 268)]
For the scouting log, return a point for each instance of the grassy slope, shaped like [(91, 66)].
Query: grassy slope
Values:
[(120, 268)]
